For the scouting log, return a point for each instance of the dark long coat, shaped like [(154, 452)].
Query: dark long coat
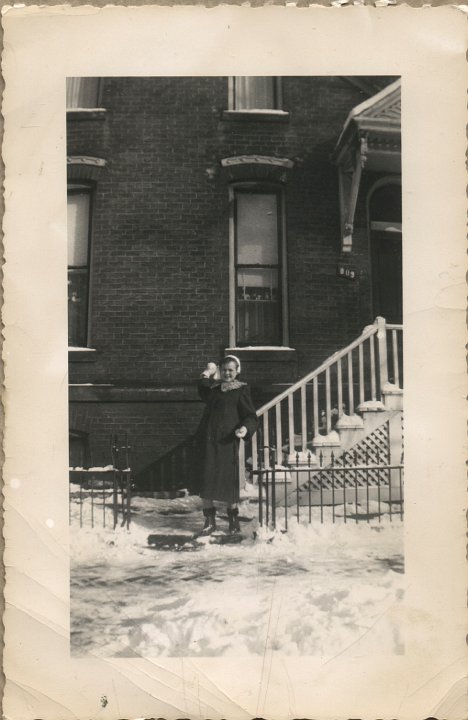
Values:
[(228, 407)]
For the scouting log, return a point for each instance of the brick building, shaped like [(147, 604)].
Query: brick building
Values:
[(260, 216)]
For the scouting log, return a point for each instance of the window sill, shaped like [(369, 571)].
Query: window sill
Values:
[(263, 353), (263, 115), (82, 354), (86, 113)]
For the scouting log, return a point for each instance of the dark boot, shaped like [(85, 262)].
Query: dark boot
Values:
[(233, 515), (210, 521)]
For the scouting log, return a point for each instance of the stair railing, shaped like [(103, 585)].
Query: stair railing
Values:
[(311, 407)]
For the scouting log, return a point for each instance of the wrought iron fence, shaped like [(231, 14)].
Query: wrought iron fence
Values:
[(103, 495), (353, 486)]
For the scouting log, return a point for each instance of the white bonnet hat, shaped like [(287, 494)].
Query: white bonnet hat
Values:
[(232, 357)]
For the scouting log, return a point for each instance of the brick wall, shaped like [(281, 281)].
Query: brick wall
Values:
[(152, 428), (160, 271)]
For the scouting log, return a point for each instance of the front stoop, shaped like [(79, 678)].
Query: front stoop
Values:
[(374, 414), (350, 429), (392, 396), (325, 445)]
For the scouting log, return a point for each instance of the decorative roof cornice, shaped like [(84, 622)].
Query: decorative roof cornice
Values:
[(379, 117)]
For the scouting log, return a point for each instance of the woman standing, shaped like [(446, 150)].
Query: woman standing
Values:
[(229, 415)]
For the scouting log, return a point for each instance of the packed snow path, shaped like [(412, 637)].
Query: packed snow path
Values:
[(317, 590)]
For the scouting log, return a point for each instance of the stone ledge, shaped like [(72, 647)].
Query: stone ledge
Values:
[(255, 115), (83, 354), (266, 354), (86, 114), (89, 392)]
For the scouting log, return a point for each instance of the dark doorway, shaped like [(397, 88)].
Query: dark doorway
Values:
[(386, 253)]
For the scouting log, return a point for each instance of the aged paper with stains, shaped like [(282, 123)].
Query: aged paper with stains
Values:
[(43, 45)]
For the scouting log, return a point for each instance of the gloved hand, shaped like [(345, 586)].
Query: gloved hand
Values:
[(241, 432), (210, 370)]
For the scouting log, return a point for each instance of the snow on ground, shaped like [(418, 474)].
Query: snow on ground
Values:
[(319, 589)]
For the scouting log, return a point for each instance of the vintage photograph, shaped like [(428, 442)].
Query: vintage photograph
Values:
[(235, 331), (214, 505)]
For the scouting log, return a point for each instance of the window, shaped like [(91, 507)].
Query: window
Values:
[(78, 449), (258, 265), (255, 93), (78, 231), (82, 92)]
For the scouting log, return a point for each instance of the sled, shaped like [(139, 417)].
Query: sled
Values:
[(220, 539), (186, 542), (168, 541)]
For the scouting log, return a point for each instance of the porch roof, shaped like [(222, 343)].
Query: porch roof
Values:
[(374, 129), (370, 141)]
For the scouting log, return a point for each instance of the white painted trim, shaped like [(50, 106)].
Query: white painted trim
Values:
[(283, 261), (72, 348), (232, 271), (260, 348), (284, 273), (90, 110), (370, 102), (259, 111), (230, 93)]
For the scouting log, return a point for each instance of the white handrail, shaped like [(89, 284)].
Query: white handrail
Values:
[(355, 378), (366, 333)]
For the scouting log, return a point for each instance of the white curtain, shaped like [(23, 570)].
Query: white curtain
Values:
[(78, 229), (256, 229), (82, 92), (254, 93)]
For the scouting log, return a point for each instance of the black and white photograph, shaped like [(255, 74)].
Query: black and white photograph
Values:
[(236, 387), (234, 392)]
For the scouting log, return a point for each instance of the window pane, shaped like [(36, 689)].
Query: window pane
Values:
[(79, 206), (254, 93), (257, 229), (77, 307), (78, 449), (258, 306), (257, 284), (78, 229), (82, 92)]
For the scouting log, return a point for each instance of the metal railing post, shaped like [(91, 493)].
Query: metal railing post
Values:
[(260, 488), (273, 488)]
